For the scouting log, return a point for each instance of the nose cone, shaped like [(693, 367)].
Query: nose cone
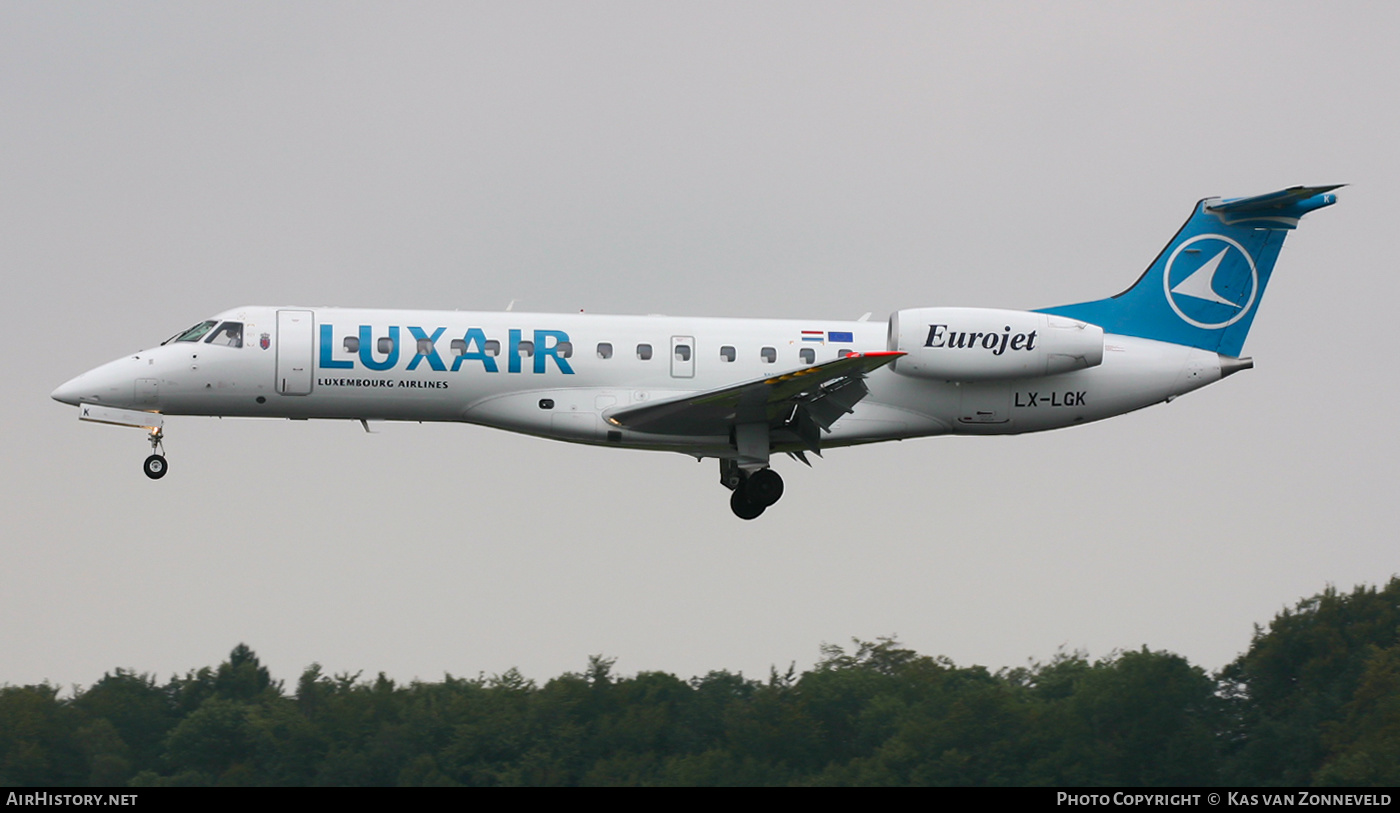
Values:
[(111, 384), (70, 392)]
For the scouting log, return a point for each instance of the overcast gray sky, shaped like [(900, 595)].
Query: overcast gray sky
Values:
[(160, 162)]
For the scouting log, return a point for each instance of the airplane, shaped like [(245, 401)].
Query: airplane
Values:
[(739, 390)]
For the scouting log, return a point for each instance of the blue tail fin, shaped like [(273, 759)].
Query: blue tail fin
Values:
[(1204, 288)]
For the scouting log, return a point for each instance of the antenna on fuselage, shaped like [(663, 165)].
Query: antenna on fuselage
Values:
[(511, 306)]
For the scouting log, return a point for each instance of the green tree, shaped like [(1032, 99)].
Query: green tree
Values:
[(213, 744), (1364, 748), (1137, 718), (1297, 679), (36, 738), (243, 677), (141, 713)]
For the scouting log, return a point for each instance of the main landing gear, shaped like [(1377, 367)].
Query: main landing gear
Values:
[(753, 491), (155, 465)]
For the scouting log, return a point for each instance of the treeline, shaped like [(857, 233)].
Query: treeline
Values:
[(1315, 700)]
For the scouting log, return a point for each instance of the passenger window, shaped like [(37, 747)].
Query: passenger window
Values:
[(385, 345), (644, 352), (682, 352), (459, 346), (229, 334), (769, 354), (527, 349), (604, 350), (425, 347), (352, 344), (727, 353), (564, 349), (808, 355), (493, 347)]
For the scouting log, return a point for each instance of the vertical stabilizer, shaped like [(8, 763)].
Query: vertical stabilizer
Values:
[(1204, 288)]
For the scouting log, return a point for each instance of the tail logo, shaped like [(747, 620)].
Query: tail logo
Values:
[(1206, 281)]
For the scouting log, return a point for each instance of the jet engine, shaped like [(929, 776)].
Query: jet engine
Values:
[(984, 344)]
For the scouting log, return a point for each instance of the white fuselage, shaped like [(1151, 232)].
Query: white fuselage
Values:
[(560, 375)]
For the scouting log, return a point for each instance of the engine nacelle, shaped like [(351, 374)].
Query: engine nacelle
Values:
[(984, 344)]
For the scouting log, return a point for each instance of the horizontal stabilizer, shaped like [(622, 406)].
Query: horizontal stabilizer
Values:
[(1276, 210), (1286, 199)]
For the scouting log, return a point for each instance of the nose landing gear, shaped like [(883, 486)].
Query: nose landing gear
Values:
[(155, 465), (753, 492)]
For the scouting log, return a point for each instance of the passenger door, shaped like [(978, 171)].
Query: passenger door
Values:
[(294, 352)]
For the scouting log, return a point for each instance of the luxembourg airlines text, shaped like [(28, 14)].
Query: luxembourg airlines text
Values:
[(405, 383)]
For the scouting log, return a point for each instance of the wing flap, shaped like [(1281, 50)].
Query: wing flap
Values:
[(828, 391)]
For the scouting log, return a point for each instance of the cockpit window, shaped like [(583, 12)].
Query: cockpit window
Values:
[(194, 334), (229, 334)]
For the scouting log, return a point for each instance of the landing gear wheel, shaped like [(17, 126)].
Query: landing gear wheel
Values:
[(155, 466), (764, 487), (742, 508)]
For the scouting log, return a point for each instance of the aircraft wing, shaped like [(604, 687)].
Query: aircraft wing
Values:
[(808, 397)]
